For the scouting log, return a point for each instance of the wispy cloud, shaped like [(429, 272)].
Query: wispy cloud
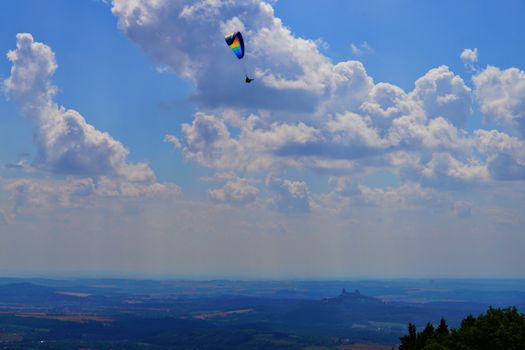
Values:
[(361, 49)]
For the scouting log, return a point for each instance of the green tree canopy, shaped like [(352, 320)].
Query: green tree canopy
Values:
[(497, 329)]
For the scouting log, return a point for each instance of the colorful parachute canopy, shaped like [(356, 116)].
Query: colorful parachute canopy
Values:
[(235, 43)]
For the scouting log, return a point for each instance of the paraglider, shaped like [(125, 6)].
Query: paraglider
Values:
[(236, 43)]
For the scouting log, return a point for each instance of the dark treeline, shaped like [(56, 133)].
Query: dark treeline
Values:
[(497, 329)]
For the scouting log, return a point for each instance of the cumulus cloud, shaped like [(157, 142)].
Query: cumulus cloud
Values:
[(33, 64), (505, 154), (445, 166), (66, 142), (500, 94), (289, 196), (346, 138), (406, 195), (344, 186), (310, 113), (410, 195), (208, 141), (237, 192), (441, 93), (349, 87), (419, 136), (351, 128), (386, 102), (469, 57), (290, 76), (78, 192), (431, 150)]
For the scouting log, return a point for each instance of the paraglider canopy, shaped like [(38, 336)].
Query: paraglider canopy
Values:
[(236, 43)]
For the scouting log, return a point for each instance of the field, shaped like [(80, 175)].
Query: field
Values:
[(307, 315)]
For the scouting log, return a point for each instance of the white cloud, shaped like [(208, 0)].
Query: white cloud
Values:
[(441, 93), (361, 49), (307, 112), (445, 166), (493, 143), (404, 196), (237, 192), (33, 64), (291, 76), (208, 141), (386, 102), (418, 135), (107, 187), (137, 11), (505, 154), (257, 147), (344, 186), (174, 140), (349, 87), (431, 150), (500, 94), (24, 194), (469, 55), (289, 196), (66, 143), (354, 130), (348, 193)]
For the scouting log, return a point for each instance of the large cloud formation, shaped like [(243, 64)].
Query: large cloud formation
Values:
[(94, 164), (350, 125), (404, 169), (501, 95), (188, 37), (66, 143)]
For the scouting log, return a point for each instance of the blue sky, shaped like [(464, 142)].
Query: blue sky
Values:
[(364, 133), (411, 37)]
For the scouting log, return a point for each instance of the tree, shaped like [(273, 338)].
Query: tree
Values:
[(408, 342), (423, 337), (497, 329), (442, 329)]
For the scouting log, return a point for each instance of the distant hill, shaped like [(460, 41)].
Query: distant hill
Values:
[(354, 308), (26, 293), (354, 298), (344, 309)]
